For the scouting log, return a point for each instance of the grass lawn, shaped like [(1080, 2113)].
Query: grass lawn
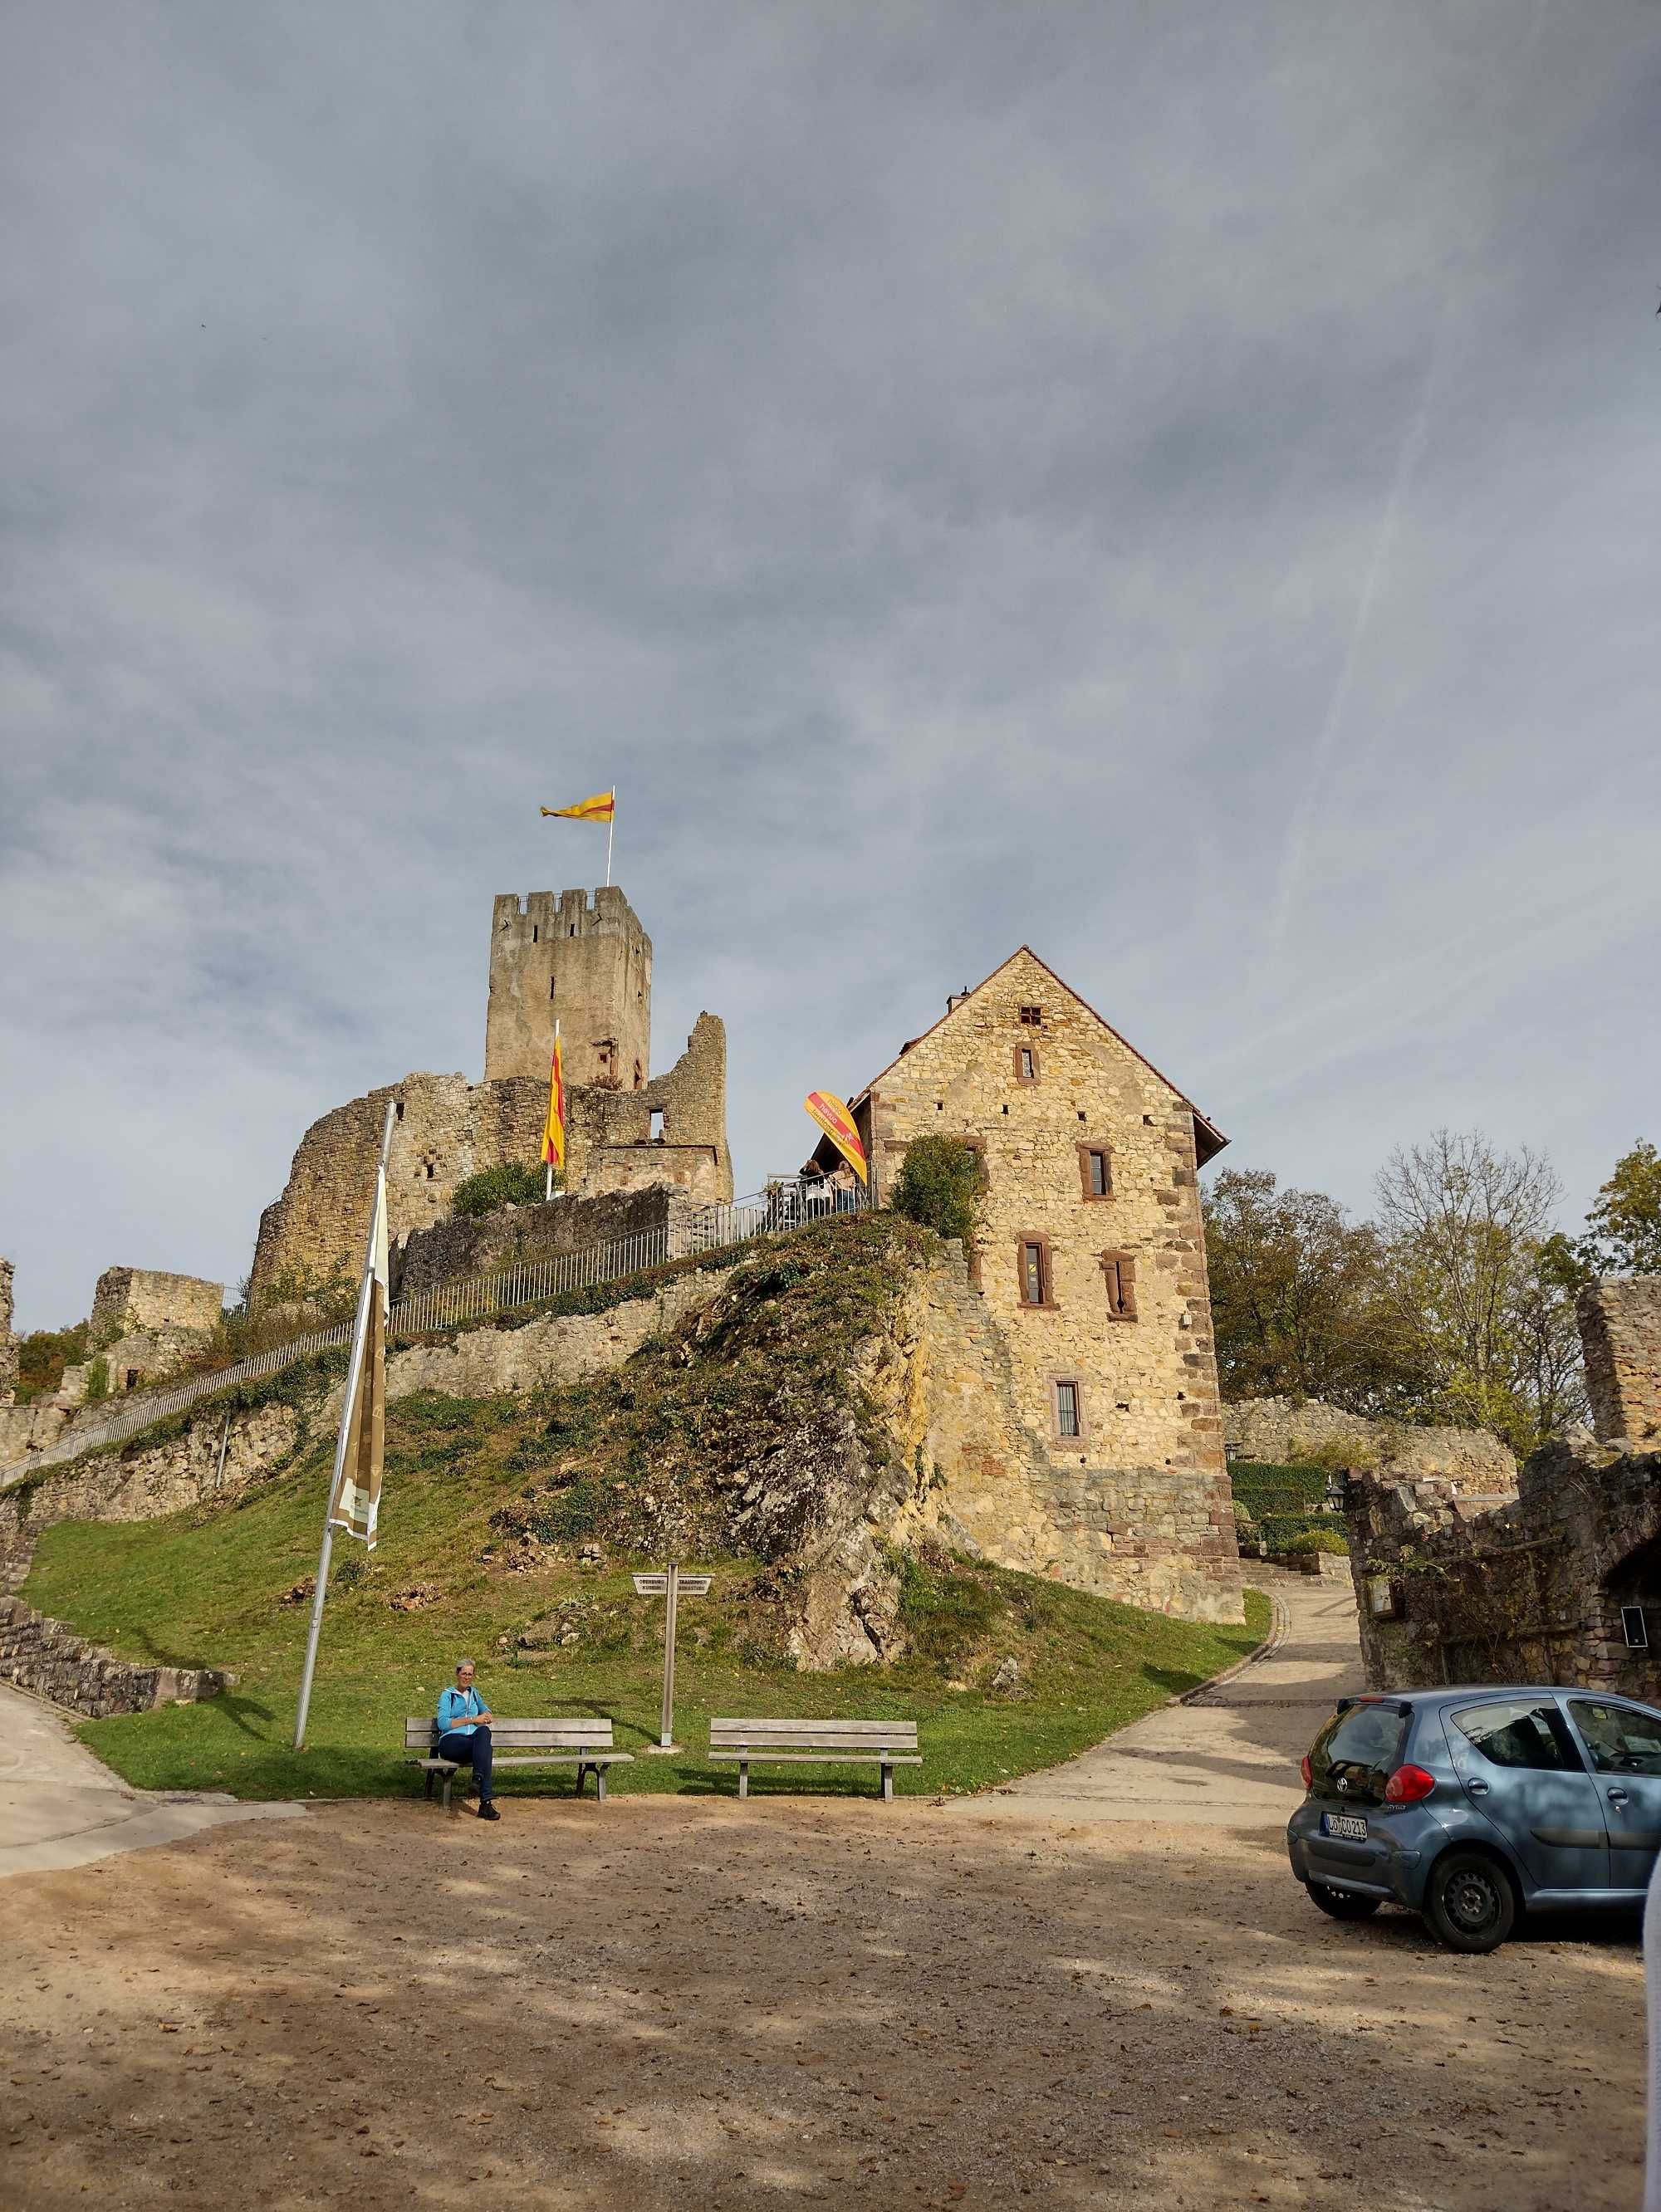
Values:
[(204, 1589)]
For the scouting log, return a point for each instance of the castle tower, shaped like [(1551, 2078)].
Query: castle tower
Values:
[(591, 966)]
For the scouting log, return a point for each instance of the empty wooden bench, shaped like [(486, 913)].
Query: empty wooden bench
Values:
[(583, 1743), (887, 1744)]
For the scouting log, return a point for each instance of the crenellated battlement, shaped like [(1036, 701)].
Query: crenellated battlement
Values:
[(583, 959)]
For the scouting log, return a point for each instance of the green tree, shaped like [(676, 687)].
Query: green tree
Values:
[(508, 1184), (1298, 1299), (1624, 1229), (1472, 1277), (940, 1184)]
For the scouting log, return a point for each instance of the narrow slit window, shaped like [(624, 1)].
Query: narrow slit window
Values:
[(1119, 1271)]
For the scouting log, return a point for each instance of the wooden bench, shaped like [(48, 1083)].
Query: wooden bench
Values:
[(887, 1744), (584, 1743)]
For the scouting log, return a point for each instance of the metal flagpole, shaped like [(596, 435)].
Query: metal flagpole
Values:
[(355, 1368), (610, 824), (548, 1180)]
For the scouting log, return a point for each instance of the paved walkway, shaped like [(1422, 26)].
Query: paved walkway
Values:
[(60, 1807), (1229, 1758)]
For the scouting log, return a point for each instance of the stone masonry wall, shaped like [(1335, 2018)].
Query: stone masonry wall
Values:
[(589, 965), (144, 1298), (9, 1345), (515, 1234), (1284, 1432), (1453, 1589), (1619, 1322), (42, 1656), (612, 1144), (1152, 1416)]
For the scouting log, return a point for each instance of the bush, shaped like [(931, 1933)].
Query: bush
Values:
[(43, 1354), (98, 1379), (940, 1185), (1318, 1539), (508, 1184)]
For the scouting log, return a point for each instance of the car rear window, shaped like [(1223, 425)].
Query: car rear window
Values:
[(1359, 1747)]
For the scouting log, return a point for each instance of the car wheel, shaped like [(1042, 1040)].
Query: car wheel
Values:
[(1469, 1904), (1342, 1904)]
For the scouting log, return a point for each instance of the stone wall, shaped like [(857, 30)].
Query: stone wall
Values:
[(128, 1298), (143, 1483), (1150, 1456), (1451, 1588), (1619, 1322), (517, 1234), (673, 1130), (8, 1344), (44, 1657), (589, 965), (1285, 1432)]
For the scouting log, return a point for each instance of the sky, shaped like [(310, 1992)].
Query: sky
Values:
[(1174, 486)]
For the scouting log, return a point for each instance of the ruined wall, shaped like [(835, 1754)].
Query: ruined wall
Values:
[(8, 1344), (589, 965), (447, 1130), (673, 1130), (516, 1234), (1151, 1451), (129, 1298), (1532, 1590), (1284, 1432), (1619, 1322)]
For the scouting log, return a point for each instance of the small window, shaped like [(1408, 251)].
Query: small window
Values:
[(551, 986), (535, 933), (640, 1077), (1032, 1017), (1026, 1064), (398, 1111), (657, 1124), (1067, 1406), (132, 1378), (1519, 1732), (1032, 1260), (432, 1170), (1096, 1171), (1119, 1270)]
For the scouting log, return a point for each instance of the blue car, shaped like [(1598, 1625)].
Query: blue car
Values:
[(1471, 1806)]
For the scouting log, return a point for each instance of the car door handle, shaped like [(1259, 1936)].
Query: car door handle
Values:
[(1617, 1797), (1477, 1788)]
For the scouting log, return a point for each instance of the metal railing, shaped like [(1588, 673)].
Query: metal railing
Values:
[(786, 1203)]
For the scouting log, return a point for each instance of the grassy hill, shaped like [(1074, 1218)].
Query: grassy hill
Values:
[(489, 1506)]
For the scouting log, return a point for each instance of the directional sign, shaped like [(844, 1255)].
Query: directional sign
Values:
[(669, 1586)]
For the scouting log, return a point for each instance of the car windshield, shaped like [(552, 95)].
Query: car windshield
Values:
[(1357, 1750)]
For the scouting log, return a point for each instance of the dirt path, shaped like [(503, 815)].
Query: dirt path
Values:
[(669, 2003), (1230, 1758)]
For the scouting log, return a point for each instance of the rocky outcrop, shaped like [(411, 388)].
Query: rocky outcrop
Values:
[(1289, 1431)]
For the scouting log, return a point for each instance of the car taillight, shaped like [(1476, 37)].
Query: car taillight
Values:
[(1408, 1785), (1309, 1773)]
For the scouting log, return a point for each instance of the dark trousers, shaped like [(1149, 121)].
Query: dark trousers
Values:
[(473, 1750)]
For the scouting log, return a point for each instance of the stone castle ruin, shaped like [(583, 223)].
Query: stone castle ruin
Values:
[(553, 957)]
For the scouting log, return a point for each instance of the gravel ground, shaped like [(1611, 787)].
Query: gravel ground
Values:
[(679, 2003)]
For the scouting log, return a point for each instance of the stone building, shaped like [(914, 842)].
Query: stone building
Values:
[(551, 957), (1090, 1258), (1556, 1578)]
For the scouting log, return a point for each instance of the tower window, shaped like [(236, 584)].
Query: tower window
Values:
[(551, 986), (657, 1124), (1033, 1269), (1096, 1171), (640, 1077), (534, 932), (432, 1170)]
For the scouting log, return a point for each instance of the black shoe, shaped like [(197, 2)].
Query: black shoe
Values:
[(487, 1810)]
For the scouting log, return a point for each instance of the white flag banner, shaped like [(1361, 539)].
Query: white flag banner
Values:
[(355, 1506)]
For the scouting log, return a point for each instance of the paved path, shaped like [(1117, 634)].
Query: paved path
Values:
[(60, 1807), (1230, 1758)]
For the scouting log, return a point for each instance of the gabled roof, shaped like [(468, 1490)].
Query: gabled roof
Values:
[(1209, 1139)]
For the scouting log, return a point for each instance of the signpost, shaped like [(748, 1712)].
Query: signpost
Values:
[(669, 1586)]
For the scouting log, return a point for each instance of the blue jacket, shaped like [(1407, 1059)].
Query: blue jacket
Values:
[(454, 1707)]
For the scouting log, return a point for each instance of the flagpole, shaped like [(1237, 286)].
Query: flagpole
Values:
[(610, 824), (354, 1371)]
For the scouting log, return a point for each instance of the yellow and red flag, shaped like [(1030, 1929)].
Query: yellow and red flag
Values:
[(553, 1135), (600, 808), (838, 1123)]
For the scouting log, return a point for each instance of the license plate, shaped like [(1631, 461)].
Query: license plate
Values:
[(1352, 1825)]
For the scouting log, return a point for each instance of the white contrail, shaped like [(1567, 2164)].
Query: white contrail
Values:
[(1409, 455)]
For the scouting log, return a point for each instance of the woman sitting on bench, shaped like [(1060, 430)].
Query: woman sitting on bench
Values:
[(464, 1733)]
